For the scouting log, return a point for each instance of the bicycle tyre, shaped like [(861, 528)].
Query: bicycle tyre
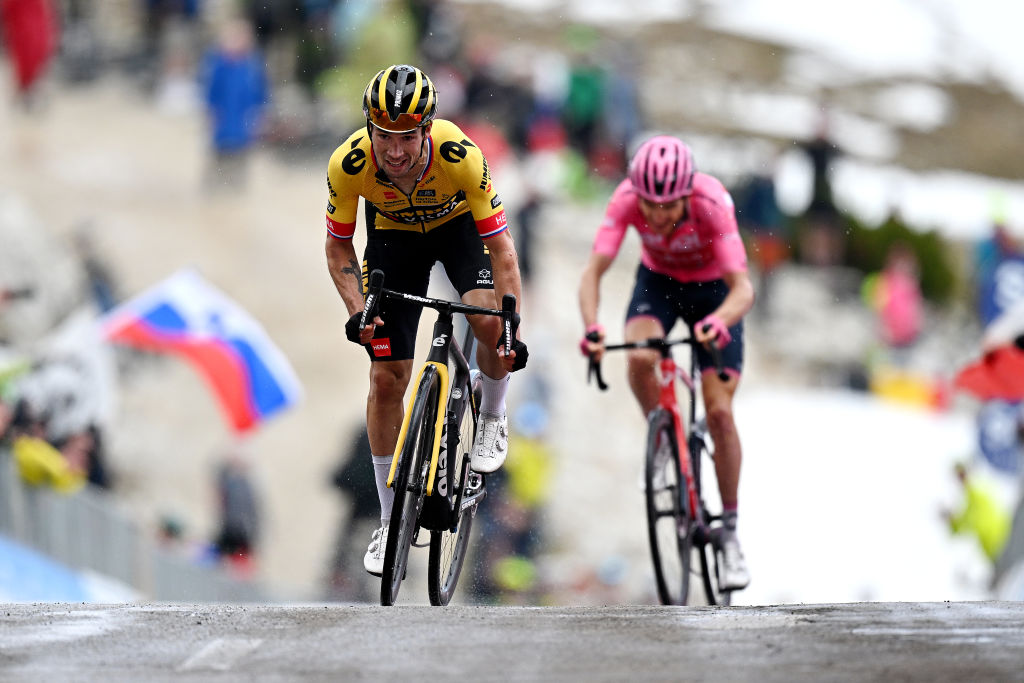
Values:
[(708, 547), (410, 485), (448, 549), (669, 523)]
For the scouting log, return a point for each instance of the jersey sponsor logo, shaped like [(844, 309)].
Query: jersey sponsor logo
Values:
[(426, 193), (414, 215), (495, 202), (442, 462), (454, 152), (330, 188), (381, 347), (330, 208), (354, 162), (429, 180), (484, 273), (485, 179), (390, 195)]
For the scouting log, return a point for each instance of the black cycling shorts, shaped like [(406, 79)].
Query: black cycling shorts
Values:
[(407, 259), (667, 299)]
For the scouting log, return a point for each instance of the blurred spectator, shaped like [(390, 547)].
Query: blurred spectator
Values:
[(511, 519), (39, 462), (354, 479), (759, 215), (161, 19), (84, 452), (895, 294), (31, 34), (823, 241), (981, 515), (999, 273), (525, 226), (239, 528), (101, 283), (236, 93), (584, 105)]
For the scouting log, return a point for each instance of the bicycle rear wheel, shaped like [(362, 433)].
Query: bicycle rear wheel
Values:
[(708, 546), (410, 485), (669, 522), (448, 548)]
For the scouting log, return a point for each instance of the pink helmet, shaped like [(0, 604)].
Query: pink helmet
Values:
[(662, 169)]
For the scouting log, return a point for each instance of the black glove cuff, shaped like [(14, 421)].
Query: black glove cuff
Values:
[(352, 328)]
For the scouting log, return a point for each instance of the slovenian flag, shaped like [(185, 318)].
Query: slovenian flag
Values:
[(186, 316)]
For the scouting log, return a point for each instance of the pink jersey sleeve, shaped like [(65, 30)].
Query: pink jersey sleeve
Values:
[(713, 207), (618, 216)]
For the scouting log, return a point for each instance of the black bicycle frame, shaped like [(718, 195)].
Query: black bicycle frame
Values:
[(442, 348)]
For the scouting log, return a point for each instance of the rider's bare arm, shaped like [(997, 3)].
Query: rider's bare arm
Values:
[(505, 267), (590, 287), (736, 304), (343, 266)]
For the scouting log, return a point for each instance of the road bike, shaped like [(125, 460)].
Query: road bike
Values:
[(679, 523), (435, 489)]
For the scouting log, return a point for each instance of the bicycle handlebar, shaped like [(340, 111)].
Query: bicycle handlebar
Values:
[(375, 293), (659, 344)]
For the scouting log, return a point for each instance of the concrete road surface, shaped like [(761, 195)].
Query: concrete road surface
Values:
[(931, 642)]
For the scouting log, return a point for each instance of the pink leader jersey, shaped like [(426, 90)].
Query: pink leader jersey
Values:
[(703, 247)]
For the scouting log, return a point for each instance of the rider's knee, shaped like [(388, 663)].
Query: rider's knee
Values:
[(719, 415), (487, 329), (640, 362), (387, 382)]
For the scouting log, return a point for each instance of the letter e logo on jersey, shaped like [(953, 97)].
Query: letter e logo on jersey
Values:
[(381, 347)]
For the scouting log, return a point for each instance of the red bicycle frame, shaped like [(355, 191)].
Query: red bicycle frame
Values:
[(667, 400)]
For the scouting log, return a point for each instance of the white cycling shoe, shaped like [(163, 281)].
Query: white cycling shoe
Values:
[(732, 567), (491, 444), (373, 560)]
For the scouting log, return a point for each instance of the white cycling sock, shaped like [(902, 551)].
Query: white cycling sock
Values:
[(493, 392), (381, 469)]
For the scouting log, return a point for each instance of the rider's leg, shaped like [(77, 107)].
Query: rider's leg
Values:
[(642, 364), (718, 396), (491, 444), (384, 413), (487, 329)]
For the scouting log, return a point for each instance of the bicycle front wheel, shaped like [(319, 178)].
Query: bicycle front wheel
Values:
[(410, 484), (448, 548), (669, 522)]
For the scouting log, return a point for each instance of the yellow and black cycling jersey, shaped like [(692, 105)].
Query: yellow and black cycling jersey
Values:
[(455, 181)]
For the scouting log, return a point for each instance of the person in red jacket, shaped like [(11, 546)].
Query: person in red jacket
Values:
[(30, 32)]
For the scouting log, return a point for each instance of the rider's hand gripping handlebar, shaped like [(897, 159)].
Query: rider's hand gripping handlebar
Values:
[(371, 306)]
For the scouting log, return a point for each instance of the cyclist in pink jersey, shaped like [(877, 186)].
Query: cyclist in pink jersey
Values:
[(693, 266)]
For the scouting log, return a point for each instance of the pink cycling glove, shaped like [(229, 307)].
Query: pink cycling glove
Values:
[(722, 336), (594, 333)]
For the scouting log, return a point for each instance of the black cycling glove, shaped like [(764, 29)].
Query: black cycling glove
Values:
[(352, 328), (522, 354), (518, 345)]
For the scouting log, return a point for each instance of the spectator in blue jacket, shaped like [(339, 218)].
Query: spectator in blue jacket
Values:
[(236, 92)]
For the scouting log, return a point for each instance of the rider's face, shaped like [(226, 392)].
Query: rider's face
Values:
[(662, 218), (398, 154)]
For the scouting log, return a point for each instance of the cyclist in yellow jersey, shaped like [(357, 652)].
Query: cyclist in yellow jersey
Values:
[(428, 198)]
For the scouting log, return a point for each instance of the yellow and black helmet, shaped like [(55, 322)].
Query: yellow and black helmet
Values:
[(399, 99)]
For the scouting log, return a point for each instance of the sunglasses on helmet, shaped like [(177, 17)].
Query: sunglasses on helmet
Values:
[(403, 124)]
